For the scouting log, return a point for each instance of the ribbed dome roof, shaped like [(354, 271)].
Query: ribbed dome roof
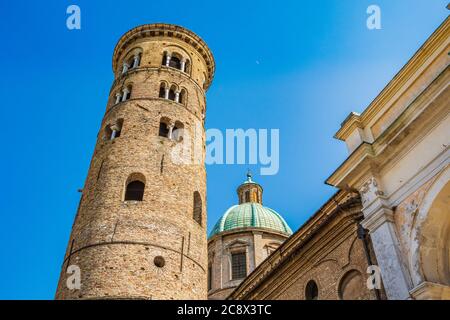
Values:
[(251, 215)]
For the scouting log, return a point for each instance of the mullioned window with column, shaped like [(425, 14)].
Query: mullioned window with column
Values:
[(132, 60), (172, 92), (176, 60)]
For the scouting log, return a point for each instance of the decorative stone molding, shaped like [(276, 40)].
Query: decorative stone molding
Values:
[(430, 291), (375, 220)]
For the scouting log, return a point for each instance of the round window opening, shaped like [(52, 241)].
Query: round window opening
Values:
[(159, 261)]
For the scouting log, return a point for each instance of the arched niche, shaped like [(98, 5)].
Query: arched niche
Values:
[(430, 237)]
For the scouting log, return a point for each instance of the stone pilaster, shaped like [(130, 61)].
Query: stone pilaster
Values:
[(378, 219)]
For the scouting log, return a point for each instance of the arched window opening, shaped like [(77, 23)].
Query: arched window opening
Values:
[(172, 93), (238, 265), (177, 132), (117, 129), (311, 291), (130, 62), (162, 90), (182, 97), (139, 60), (197, 214), (135, 191), (175, 62), (126, 93), (163, 129), (164, 59), (134, 60), (187, 66), (351, 286)]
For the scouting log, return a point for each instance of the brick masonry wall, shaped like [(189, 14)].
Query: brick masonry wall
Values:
[(333, 257), (114, 242), (219, 255)]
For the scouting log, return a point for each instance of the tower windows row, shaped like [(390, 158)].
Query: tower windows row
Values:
[(123, 94), (177, 61), (166, 91), (172, 92), (167, 129), (170, 59)]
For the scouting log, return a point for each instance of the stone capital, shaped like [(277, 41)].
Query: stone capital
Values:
[(370, 191), (373, 221)]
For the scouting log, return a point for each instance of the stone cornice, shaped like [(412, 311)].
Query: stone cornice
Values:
[(167, 30), (399, 133), (249, 230), (352, 122), (395, 86), (121, 79), (357, 158)]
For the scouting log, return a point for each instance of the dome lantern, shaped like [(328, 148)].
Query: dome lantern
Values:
[(250, 213), (249, 191)]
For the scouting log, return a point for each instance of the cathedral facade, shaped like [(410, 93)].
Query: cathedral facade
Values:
[(398, 171), (399, 163)]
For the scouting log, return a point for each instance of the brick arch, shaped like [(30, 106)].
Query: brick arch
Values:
[(351, 285), (138, 179)]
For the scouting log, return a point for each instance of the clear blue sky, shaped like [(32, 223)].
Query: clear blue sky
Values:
[(300, 66)]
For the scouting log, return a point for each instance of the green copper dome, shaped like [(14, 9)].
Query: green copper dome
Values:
[(251, 215)]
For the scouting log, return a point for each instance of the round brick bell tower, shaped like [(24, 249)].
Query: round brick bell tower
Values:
[(140, 229)]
